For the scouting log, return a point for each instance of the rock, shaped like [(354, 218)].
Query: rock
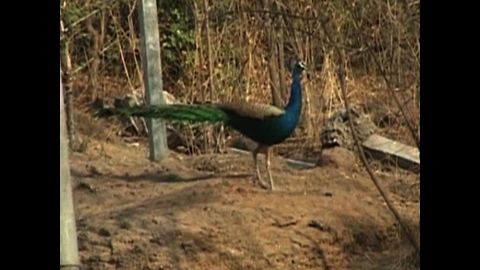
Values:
[(337, 132), (104, 232)]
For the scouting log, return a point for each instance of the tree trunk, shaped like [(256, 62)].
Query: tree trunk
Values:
[(272, 57)]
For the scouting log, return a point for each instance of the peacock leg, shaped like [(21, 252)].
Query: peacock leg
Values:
[(267, 158), (259, 176)]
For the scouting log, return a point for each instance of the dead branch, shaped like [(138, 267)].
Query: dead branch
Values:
[(343, 85)]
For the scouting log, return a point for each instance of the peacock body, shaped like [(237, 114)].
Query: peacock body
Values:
[(265, 124)]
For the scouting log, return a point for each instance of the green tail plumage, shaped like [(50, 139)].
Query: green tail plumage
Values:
[(177, 112)]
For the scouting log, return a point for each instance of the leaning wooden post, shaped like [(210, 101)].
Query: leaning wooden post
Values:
[(152, 74), (68, 230)]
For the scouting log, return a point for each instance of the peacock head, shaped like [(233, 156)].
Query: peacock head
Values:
[(298, 67)]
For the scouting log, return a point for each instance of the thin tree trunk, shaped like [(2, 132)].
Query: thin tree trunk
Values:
[(95, 54), (281, 65), (272, 57), (67, 76)]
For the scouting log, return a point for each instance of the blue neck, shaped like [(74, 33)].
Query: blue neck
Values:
[(295, 102)]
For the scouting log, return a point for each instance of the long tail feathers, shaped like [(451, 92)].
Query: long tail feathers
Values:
[(177, 112)]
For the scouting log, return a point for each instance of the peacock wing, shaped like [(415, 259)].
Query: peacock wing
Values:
[(253, 110)]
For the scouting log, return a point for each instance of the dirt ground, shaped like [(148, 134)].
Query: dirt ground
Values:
[(205, 212)]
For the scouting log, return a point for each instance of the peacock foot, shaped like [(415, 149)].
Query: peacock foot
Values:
[(258, 179), (264, 185)]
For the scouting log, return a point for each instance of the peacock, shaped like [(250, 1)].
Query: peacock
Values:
[(267, 125)]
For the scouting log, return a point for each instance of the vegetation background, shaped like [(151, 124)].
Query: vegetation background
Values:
[(224, 50)]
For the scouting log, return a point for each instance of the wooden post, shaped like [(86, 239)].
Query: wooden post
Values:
[(68, 231), (152, 74)]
